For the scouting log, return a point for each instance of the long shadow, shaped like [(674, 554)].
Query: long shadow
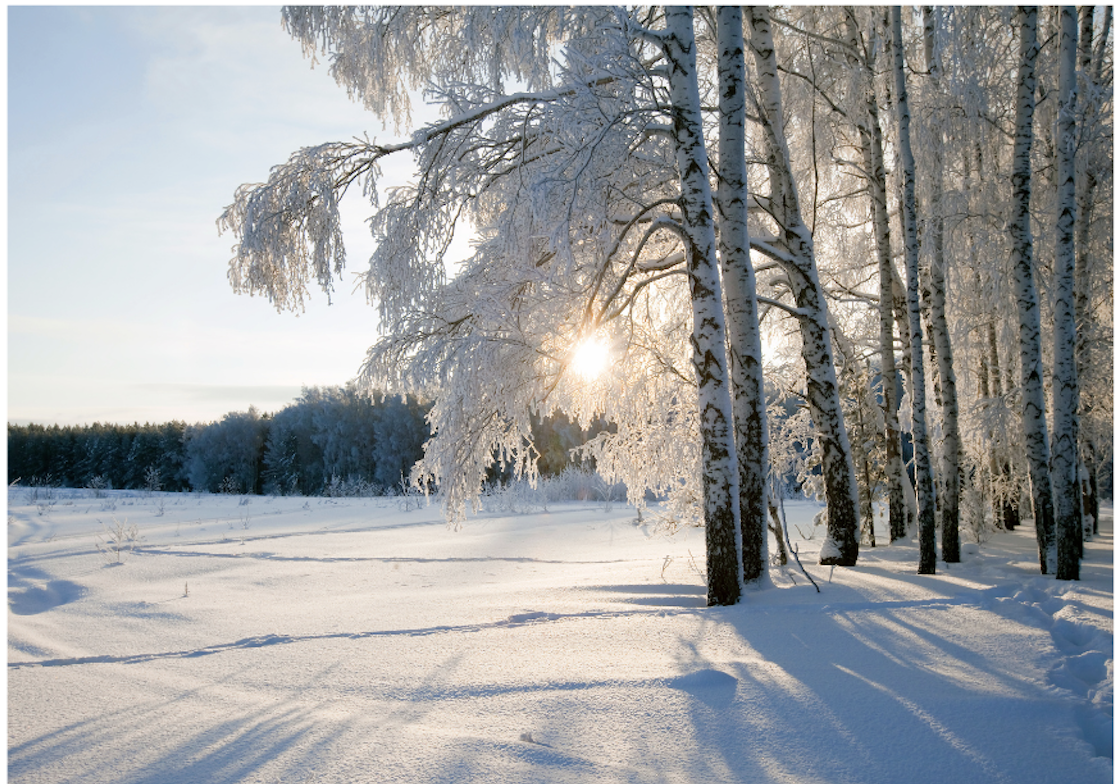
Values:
[(362, 559), (160, 742), (858, 711), (654, 594)]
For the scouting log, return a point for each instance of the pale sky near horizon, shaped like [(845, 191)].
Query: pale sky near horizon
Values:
[(129, 129)]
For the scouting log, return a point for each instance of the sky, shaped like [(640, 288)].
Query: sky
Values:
[(129, 129)]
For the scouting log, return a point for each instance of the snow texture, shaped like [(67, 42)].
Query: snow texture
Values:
[(255, 639)]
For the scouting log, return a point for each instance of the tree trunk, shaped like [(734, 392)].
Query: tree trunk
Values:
[(924, 477), (1005, 494), (838, 475), (720, 489), (949, 477), (1030, 330), (776, 527), (871, 149), (867, 513), (1063, 447), (1092, 66), (741, 314)]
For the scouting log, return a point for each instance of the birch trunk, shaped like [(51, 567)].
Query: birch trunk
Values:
[(871, 151), (924, 476), (901, 320), (897, 511), (838, 474), (720, 490), (1030, 330), (1092, 66), (1063, 447), (949, 478), (741, 313)]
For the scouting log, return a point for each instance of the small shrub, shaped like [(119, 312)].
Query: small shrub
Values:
[(351, 487), (514, 497), (410, 497), (115, 543), (43, 493), (98, 485), (245, 513)]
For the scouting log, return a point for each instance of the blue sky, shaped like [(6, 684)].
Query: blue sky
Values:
[(129, 129)]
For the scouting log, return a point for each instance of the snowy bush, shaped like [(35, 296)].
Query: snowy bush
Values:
[(43, 494), (976, 516), (515, 497), (116, 542), (574, 483), (351, 487), (98, 485)]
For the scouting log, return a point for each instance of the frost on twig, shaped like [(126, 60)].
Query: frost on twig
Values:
[(117, 541)]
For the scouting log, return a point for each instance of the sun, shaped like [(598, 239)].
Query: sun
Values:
[(590, 358)]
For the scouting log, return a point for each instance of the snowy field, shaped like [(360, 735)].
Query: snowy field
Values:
[(352, 640)]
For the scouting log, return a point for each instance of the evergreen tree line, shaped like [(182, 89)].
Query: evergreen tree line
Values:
[(330, 441)]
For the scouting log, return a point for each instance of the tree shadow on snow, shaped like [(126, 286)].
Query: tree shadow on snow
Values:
[(871, 696), (163, 742), (655, 594)]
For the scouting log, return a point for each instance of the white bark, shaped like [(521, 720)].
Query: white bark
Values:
[(949, 454), (797, 252), (1030, 330), (1093, 165), (720, 487), (924, 477), (741, 314), (1063, 451), (871, 144)]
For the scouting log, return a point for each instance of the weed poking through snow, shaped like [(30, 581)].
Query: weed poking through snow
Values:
[(115, 543)]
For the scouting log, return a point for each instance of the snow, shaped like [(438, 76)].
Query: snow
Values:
[(337, 640)]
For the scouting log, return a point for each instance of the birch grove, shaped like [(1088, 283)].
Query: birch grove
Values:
[(737, 207)]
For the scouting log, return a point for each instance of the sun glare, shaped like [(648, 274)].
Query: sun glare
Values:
[(590, 358)]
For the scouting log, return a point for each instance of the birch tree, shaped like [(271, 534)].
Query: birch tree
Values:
[(741, 312), (569, 244), (793, 249), (949, 453), (720, 483), (1092, 273), (1063, 457), (924, 479), (1030, 325), (872, 156)]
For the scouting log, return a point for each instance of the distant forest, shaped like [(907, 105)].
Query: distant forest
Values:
[(330, 441)]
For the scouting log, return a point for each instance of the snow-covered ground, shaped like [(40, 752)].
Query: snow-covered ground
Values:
[(352, 640)]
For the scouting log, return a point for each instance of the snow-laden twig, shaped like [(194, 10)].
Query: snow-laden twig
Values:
[(794, 548)]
